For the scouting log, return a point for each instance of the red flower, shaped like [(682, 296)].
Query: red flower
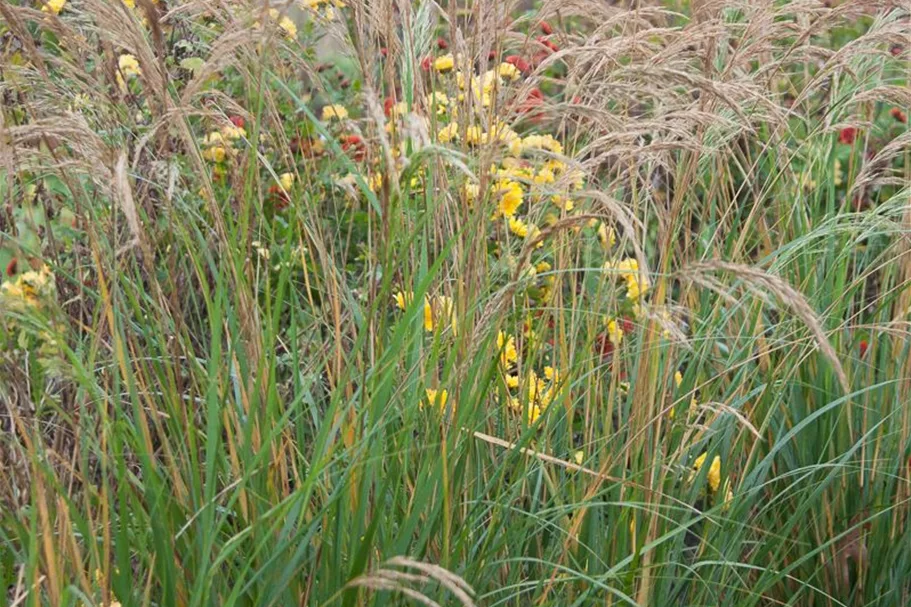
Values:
[(863, 347), (355, 145), (384, 51), (626, 324), (847, 135), (12, 266), (532, 103), (238, 121), (548, 43), (279, 197), (546, 28), (425, 63), (604, 347), (539, 57), (899, 115), (388, 102), (442, 44), (491, 55), (520, 63)]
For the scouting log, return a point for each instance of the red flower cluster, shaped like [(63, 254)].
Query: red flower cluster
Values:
[(847, 135), (278, 197), (12, 266), (899, 115), (521, 64), (354, 145)]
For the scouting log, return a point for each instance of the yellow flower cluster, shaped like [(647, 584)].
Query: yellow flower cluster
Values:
[(28, 289), (714, 474), (129, 65), (324, 8), (694, 404), (53, 7), (539, 391), (439, 310), (127, 69), (220, 144), (436, 398), (628, 269), (284, 22), (334, 112)]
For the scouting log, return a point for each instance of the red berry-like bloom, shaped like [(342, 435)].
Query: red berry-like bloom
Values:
[(522, 65), (238, 121), (12, 266), (863, 347), (546, 29), (604, 347), (426, 62), (354, 145), (442, 44), (899, 115), (847, 135), (548, 43), (279, 198)]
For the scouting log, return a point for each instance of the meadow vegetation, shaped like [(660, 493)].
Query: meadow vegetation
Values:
[(396, 302)]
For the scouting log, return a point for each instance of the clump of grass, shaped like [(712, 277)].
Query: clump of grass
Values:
[(389, 302)]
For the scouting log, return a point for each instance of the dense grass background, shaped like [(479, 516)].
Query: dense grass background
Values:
[(213, 399)]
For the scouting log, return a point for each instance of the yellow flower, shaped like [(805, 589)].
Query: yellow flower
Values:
[(284, 22), (444, 64), (437, 103), (614, 332), (512, 382), (129, 65), (334, 112), (606, 235), (628, 269), (376, 182), (534, 412), (579, 456), (53, 6), (428, 316), (678, 378), (563, 202), (537, 142), (444, 310), (544, 176), (507, 346), (402, 299), (714, 474), (437, 398), (286, 180), (472, 192), (130, 3), (543, 266), (837, 173), (728, 496), (508, 70), (510, 196), (449, 133), (29, 287), (518, 227), (232, 133), (473, 136), (216, 153), (552, 374)]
